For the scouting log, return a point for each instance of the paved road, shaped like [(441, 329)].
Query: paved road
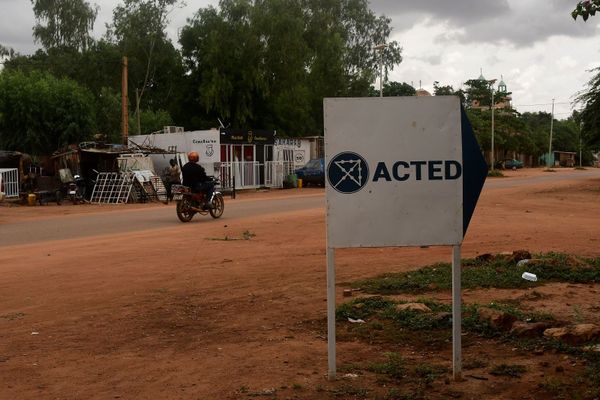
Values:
[(546, 178), (84, 225)]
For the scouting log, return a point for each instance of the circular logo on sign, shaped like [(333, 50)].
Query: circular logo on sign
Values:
[(347, 172)]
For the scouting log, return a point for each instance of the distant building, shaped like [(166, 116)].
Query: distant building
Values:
[(500, 93), (422, 92)]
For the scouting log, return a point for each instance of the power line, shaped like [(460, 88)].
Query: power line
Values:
[(541, 104)]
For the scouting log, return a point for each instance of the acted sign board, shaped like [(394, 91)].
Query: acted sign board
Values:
[(401, 171)]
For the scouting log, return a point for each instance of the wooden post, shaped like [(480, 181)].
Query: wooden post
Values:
[(124, 110)]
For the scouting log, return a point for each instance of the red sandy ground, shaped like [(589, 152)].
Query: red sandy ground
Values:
[(155, 316)]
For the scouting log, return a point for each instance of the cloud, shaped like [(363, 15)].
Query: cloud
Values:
[(508, 22)]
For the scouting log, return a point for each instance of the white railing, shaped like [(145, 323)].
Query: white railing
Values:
[(274, 174), (242, 174), (10, 178), (252, 174)]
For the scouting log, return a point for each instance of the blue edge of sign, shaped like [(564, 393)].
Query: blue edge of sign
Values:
[(474, 169)]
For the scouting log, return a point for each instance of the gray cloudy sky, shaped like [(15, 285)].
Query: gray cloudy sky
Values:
[(534, 44)]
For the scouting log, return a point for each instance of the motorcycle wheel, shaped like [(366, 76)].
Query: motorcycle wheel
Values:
[(218, 206), (183, 210)]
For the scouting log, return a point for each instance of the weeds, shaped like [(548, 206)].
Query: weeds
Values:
[(498, 272), (349, 390), (474, 363), (428, 373), (515, 370), (393, 368)]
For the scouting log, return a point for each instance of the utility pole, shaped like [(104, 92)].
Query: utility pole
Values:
[(580, 162), (137, 111), (124, 111), (380, 48), (551, 128), (493, 107)]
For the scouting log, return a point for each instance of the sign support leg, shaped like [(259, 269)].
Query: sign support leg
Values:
[(331, 312), (456, 315)]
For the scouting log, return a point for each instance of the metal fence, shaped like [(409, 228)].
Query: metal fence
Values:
[(10, 178), (252, 174)]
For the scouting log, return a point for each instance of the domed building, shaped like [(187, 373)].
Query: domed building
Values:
[(502, 96), (422, 92)]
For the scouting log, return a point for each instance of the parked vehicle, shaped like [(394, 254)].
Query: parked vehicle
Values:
[(73, 187), (313, 173), (509, 163), (190, 204), (2, 195)]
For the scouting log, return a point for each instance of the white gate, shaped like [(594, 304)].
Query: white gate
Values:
[(274, 174), (10, 179), (244, 174)]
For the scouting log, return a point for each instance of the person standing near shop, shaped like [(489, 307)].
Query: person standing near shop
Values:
[(173, 178)]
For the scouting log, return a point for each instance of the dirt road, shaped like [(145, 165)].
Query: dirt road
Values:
[(182, 313)]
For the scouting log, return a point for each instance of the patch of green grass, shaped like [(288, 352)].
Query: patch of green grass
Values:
[(495, 173), (247, 235), (393, 368), (578, 314), (513, 370), (13, 316), (417, 321), (297, 386), (349, 390), (362, 308), (474, 363), (428, 373), (497, 272), (396, 394)]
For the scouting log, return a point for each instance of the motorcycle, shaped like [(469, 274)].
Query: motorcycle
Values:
[(190, 204), (73, 187), (76, 189)]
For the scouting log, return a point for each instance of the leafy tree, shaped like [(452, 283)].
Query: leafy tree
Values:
[(585, 9), (108, 115), (590, 114), (151, 121), (6, 52), (40, 113), (448, 90), (394, 89), (269, 63), (154, 65), (64, 23)]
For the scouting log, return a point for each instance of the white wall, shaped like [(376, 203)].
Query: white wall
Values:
[(299, 147), (206, 143)]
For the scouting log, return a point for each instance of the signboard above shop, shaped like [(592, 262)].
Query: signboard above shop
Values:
[(247, 136), (402, 171)]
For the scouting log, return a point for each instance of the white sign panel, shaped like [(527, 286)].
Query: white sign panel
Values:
[(394, 171), (206, 143)]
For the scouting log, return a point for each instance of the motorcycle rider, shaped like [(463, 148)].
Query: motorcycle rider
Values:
[(194, 176)]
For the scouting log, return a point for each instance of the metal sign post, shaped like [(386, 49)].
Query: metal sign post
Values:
[(331, 312), (456, 315), (401, 171)]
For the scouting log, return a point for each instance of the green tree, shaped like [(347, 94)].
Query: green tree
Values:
[(269, 63), (585, 9), (40, 113), (448, 90), (590, 114), (151, 121), (64, 23), (108, 115), (394, 89), (154, 65)]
